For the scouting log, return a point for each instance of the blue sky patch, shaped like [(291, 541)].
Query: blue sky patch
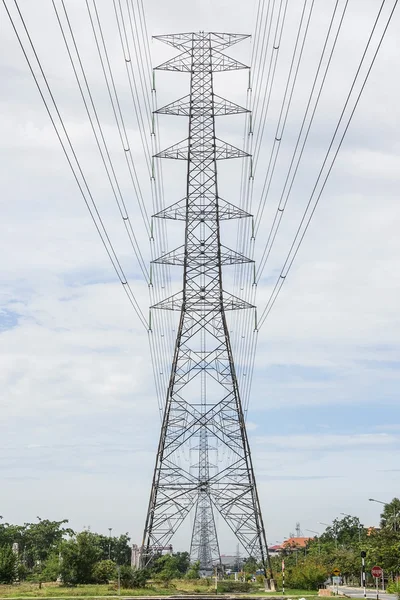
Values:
[(8, 319)]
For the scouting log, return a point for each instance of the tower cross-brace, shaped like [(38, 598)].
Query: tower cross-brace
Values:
[(203, 412)]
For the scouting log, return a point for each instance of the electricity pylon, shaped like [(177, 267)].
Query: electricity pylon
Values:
[(203, 411)]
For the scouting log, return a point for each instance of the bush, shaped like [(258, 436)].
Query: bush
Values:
[(306, 576), (201, 582), (104, 571), (79, 556), (22, 571), (393, 587), (194, 571), (52, 567), (237, 587), (8, 565), (133, 578)]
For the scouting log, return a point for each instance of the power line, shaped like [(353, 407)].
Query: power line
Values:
[(245, 323), (124, 138), (106, 158), (132, 82), (290, 259), (82, 185), (278, 135), (282, 206)]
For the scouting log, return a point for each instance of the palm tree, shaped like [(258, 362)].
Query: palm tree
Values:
[(390, 516)]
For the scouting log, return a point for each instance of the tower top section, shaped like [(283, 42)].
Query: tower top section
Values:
[(184, 41), (195, 44)]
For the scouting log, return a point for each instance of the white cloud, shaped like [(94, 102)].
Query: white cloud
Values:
[(80, 420), (326, 442)]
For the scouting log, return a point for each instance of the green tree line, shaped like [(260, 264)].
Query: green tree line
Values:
[(51, 551), (340, 547)]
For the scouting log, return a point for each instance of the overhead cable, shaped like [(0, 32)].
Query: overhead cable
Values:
[(74, 162), (284, 197), (300, 234)]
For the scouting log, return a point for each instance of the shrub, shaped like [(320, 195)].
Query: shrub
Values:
[(51, 568), (22, 571), (306, 576), (393, 587), (201, 582), (194, 571), (237, 587), (104, 571), (8, 565), (133, 578)]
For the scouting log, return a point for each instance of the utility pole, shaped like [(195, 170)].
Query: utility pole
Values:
[(109, 542), (203, 400)]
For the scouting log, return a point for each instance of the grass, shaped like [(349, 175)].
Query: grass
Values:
[(179, 587), (50, 590), (291, 593)]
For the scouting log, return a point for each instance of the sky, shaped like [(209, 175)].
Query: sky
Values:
[(79, 420)]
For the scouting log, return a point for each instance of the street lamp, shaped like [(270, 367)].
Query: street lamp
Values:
[(109, 543), (317, 534), (328, 525), (385, 504)]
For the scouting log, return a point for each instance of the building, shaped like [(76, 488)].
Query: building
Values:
[(158, 550), (291, 543), (275, 550), (296, 542)]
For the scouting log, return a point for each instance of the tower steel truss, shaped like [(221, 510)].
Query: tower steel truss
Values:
[(203, 414)]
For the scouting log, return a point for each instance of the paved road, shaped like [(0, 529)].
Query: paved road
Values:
[(359, 593)]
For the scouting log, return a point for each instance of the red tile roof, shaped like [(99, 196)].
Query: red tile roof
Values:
[(300, 542)]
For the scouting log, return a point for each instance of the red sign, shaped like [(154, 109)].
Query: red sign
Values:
[(376, 572)]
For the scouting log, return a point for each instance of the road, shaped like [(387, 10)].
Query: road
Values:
[(352, 592)]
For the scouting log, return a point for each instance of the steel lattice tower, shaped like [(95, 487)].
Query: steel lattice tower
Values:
[(203, 405)]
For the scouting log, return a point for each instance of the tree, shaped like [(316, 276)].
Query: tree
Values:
[(117, 548), (166, 568), (139, 578), (40, 539), (133, 578), (250, 565), (36, 541), (182, 561), (390, 516), (52, 566), (8, 562), (78, 558), (348, 562), (346, 533), (307, 575), (171, 566), (104, 571), (384, 550), (194, 571)]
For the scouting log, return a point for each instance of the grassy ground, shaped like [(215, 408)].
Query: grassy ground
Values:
[(26, 590), (179, 587)]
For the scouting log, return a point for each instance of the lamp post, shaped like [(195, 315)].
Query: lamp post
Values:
[(317, 534), (328, 525), (109, 543), (385, 504)]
